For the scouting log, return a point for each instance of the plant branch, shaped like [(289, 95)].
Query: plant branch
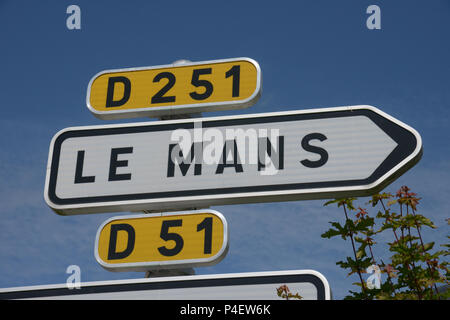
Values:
[(354, 253)]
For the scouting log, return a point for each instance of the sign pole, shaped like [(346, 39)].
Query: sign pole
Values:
[(181, 271), (170, 273)]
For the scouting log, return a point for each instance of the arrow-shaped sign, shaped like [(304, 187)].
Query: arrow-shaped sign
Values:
[(194, 163)]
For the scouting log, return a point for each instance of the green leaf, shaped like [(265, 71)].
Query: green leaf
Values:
[(361, 252), (349, 226), (332, 201), (339, 231), (382, 215), (330, 233), (349, 203), (365, 224), (428, 246), (421, 220)]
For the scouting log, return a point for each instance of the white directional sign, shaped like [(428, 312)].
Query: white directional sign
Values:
[(195, 163), (309, 284)]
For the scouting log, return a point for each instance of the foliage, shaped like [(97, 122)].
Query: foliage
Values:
[(284, 292), (414, 270)]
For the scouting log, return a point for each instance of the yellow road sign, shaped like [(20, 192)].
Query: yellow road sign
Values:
[(161, 241), (174, 89)]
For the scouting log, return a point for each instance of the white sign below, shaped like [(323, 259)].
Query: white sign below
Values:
[(309, 284)]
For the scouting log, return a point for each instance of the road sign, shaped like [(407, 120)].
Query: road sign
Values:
[(174, 89), (161, 241), (195, 163), (309, 284)]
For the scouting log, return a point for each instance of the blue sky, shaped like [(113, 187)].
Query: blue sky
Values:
[(312, 54)]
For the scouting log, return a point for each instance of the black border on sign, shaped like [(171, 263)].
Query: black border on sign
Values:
[(187, 283), (405, 139)]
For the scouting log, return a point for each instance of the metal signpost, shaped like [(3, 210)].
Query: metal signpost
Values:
[(309, 284), (196, 163), (147, 242), (190, 87)]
